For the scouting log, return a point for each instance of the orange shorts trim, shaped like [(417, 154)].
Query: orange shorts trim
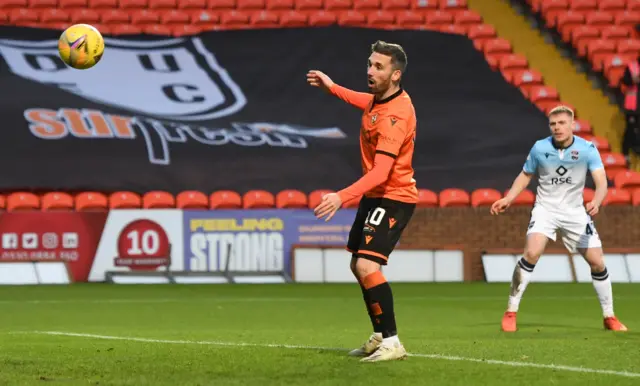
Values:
[(375, 254)]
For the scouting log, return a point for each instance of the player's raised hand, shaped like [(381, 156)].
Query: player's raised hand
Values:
[(592, 208), (328, 206), (500, 206), (319, 79)]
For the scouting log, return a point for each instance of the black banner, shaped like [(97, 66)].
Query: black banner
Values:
[(232, 110)]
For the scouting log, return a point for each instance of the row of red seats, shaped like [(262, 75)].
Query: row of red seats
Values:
[(585, 5), (627, 191), (103, 19), (417, 5)]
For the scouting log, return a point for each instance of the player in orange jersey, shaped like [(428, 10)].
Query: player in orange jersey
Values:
[(388, 190)]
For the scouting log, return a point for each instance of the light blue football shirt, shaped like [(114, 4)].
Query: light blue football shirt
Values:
[(562, 173)]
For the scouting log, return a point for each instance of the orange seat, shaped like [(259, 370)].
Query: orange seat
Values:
[(125, 200), (452, 29), (309, 5), (366, 5), (550, 9), (72, 4), (221, 5), (429, 5), (250, 5), (484, 197), (3, 202), (635, 199), (258, 199), (87, 16), (102, 4), (437, 18), (467, 18), (525, 198), (496, 46), (588, 194), (453, 5), (158, 200), (91, 201), (627, 180), (629, 46), (584, 5), (22, 201), (380, 19), (338, 5), (192, 200), (614, 66), (612, 5), (19, 4), (189, 5), (315, 197), (614, 163), (54, 16), (4, 17), (539, 94), (427, 199), (600, 47), (264, 19), (567, 22), (599, 19), (393, 5), (290, 199), (115, 16), (163, 4), (513, 62), (481, 32), (582, 36), (293, 19), (352, 18), (322, 18), (453, 197), (21, 16), (205, 17), (525, 80), (174, 17), (186, 30), (57, 201), (125, 29), (617, 196), (156, 29), (582, 127), (627, 18), (134, 4), (615, 32), (601, 143), (225, 199), (279, 5), (234, 18), (145, 17)]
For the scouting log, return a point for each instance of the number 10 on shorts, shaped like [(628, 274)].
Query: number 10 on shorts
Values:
[(375, 216)]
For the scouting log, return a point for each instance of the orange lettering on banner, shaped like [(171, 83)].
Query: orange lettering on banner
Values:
[(122, 126), (44, 123), (100, 125), (76, 123)]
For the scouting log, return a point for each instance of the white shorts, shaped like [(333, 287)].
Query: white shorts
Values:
[(575, 227)]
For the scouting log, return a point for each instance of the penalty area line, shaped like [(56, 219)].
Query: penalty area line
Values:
[(303, 347)]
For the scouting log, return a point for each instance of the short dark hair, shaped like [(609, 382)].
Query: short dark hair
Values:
[(395, 51)]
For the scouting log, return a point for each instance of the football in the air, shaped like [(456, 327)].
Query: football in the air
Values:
[(81, 46)]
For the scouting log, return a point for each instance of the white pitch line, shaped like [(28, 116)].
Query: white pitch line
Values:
[(299, 347)]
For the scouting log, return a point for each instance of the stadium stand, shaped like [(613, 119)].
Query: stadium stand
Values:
[(600, 31)]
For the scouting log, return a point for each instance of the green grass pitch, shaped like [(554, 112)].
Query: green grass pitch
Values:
[(298, 335)]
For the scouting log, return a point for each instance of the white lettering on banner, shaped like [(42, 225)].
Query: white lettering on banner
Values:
[(250, 251), (158, 135), (173, 78)]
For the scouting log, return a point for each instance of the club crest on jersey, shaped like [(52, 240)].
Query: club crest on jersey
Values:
[(374, 118), (175, 79), (574, 155)]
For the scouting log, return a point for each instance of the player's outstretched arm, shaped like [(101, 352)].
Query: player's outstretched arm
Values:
[(321, 80), (519, 184)]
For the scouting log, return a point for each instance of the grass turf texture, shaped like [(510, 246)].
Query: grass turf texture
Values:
[(189, 327)]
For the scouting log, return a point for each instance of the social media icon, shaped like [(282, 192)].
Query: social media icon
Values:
[(9, 241), (50, 240), (70, 240), (29, 241)]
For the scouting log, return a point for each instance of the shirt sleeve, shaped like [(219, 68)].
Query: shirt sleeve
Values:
[(392, 132), (531, 164), (358, 99), (380, 173), (594, 160)]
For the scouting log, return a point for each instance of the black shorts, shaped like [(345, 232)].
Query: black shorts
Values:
[(377, 228)]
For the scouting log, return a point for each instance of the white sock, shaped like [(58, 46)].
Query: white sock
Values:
[(602, 284), (521, 277), (391, 341)]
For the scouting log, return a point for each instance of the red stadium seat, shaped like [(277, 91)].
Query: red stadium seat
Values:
[(264, 19), (186, 30), (322, 18), (629, 47), (380, 19), (221, 5), (22, 201), (513, 62), (427, 199), (145, 17), (467, 18), (451, 29), (526, 79), (525, 198), (205, 18), (582, 36), (72, 4), (550, 9), (614, 163), (225, 199), (91, 201), (366, 5), (394, 5), (134, 4), (192, 200), (352, 18), (158, 200), (615, 32), (3, 203), (315, 197), (279, 5), (18, 4), (102, 4), (627, 180), (163, 4), (192, 4), (617, 197), (258, 199), (588, 194), (599, 19), (437, 18), (584, 5), (338, 5), (496, 46), (309, 5), (600, 47), (582, 127), (125, 200), (293, 19), (613, 67), (125, 29), (22, 16), (601, 143), (250, 5), (612, 5), (156, 29), (57, 201), (540, 94), (453, 197), (635, 199), (88, 16), (567, 22), (424, 5), (484, 197), (481, 32), (174, 17), (54, 16), (627, 18), (4, 17), (115, 16), (290, 199), (234, 18), (453, 5)]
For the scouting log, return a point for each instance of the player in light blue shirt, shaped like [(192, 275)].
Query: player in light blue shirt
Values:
[(560, 163)]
